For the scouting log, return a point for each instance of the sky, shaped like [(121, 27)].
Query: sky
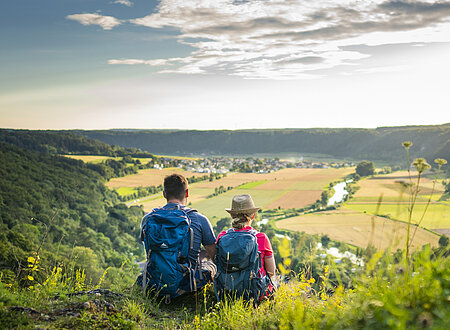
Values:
[(223, 64)]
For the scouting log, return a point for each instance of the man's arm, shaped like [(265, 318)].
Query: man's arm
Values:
[(269, 265), (211, 251)]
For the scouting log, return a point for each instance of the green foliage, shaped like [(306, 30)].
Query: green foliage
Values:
[(365, 168), (64, 142), (222, 224), (386, 295), (443, 241), (60, 206)]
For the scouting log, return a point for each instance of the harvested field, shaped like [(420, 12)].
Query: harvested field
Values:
[(234, 180), (389, 185), (295, 199), (148, 177), (88, 158), (437, 215), (356, 228), (195, 195), (395, 204)]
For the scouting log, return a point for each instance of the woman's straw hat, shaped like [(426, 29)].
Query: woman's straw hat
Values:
[(242, 204)]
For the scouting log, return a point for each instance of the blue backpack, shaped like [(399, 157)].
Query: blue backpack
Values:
[(238, 267), (168, 237)]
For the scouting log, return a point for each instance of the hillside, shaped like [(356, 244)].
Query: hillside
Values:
[(383, 143), (59, 210), (64, 142)]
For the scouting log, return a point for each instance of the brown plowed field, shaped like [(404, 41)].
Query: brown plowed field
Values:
[(296, 199), (148, 177)]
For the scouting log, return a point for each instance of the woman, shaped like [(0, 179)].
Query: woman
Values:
[(243, 212)]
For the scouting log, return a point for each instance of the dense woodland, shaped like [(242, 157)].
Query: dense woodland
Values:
[(381, 144), (63, 205), (65, 142)]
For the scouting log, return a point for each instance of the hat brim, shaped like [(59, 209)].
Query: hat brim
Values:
[(252, 210)]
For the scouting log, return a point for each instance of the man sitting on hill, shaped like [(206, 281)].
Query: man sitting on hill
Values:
[(172, 236)]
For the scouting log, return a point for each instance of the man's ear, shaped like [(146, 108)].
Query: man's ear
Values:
[(187, 193), (164, 194)]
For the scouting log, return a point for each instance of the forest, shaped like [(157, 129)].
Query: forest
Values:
[(61, 208), (380, 144)]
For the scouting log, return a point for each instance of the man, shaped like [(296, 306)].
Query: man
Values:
[(176, 192), (161, 227)]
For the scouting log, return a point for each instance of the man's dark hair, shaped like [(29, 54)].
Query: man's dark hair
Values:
[(175, 186)]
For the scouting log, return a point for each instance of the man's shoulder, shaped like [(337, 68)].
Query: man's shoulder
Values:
[(195, 214)]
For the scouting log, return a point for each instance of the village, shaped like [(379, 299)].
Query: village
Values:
[(223, 165)]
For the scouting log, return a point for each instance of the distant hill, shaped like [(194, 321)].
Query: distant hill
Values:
[(64, 142), (383, 144)]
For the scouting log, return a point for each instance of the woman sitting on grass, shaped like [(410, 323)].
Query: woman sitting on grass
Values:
[(243, 213)]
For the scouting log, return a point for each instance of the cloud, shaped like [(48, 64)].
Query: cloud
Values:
[(106, 22), (127, 3), (284, 39)]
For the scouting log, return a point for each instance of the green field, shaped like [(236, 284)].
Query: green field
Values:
[(214, 208), (251, 185), (436, 217), (124, 191)]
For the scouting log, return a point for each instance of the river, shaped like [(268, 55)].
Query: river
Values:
[(339, 193)]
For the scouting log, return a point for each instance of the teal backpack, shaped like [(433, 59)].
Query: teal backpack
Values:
[(167, 236), (238, 267)]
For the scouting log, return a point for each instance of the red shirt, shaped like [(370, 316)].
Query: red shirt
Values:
[(264, 245)]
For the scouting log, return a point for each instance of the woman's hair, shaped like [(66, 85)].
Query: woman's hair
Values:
[(241, 219)]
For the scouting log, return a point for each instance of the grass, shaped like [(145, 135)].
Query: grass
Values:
[(390, 292), (214, 208), (124, 191), (251, 185)]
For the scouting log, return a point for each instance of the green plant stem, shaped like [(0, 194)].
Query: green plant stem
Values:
[(425, 210)]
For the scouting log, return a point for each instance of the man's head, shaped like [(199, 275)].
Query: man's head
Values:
[(175, 187)]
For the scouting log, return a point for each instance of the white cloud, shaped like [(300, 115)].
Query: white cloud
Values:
[(106, 22), (127, 3), (286, 39)]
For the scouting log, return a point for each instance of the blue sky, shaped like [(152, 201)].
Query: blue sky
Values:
[(223, 64)]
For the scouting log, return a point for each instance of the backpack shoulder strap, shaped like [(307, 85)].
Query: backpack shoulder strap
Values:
[(144, 218)]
